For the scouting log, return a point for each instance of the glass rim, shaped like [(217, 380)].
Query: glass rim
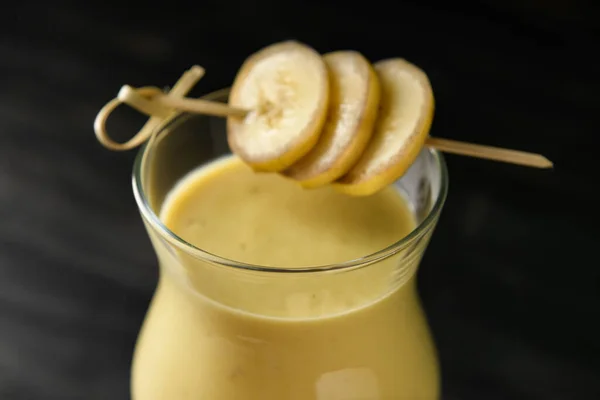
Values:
[(154, 221)]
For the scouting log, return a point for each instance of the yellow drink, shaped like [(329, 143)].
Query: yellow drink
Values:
[(220, 332)]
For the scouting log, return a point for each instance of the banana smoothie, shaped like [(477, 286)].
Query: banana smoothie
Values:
[(218, 332)]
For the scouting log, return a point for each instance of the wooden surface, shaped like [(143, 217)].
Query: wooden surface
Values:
[(510, 281)]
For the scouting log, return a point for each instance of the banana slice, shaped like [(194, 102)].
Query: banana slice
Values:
[(286, 87), (405, 115), (353, 102)]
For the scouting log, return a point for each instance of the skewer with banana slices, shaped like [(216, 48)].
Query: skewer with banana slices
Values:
[(333, 119)]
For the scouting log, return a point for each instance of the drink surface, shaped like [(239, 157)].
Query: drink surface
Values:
[(265, 219), (215, 332)]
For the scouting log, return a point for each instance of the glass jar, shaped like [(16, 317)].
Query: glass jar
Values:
[(348, 331)]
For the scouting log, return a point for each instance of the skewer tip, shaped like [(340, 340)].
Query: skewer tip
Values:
[(545, 162)]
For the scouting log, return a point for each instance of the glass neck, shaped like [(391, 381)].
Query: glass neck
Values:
[(291, 294)]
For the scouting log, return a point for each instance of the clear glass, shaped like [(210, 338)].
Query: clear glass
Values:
[(206, 335)]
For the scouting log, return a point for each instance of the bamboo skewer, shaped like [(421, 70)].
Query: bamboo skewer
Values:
[(158, 105), (181, 88), (489, 152), (200, 106)]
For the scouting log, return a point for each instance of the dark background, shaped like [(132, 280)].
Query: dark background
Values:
[(511, 279)]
